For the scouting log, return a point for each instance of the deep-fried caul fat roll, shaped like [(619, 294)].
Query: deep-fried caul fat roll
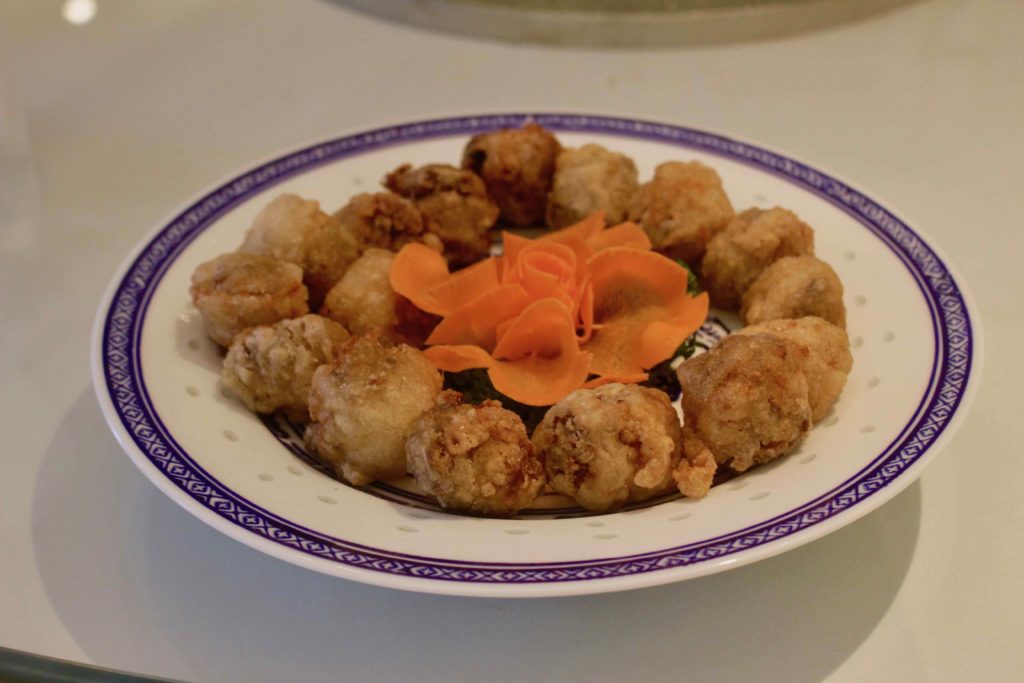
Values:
[(454, 205), (746, 399), (610, 446), (363, 300), (364, 405), (827, 360), (385, 220), (793, 287), (589, 179), (294, 229), (271, 367), (474, 458), (516, 165), (681, 209), (237, 291), (751, 242)]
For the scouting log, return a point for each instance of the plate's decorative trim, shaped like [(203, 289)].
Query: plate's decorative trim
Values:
[(127, 390)]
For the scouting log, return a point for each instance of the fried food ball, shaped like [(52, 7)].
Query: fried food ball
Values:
[(364, 405), (385, 220), (826, 363), (516, 165), (271, 367), (751, 242), (363, 300), (590, 179), (454, 205), (237, 291), (792, 287), (474, 458), (610, 446), (747, 399), (681, 209), (294, 229)]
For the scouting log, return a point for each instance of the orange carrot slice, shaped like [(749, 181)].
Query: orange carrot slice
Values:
[(623, 235), (464, 286), (538, 359), (584, 313), (511, 245), (417, 268), (421, 275), (458, 358), (641, 310), (584, 229), (478, 322), (543, 269)]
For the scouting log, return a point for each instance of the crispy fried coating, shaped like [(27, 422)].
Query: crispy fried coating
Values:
[(747, 399), (363, 300), (364, 405), (590, 179), (237, 291), (454, 205), (751, 242), (294, 229), (793, 287), (271, 367), (609, 446), (827, 362), (696, 470), (516, 165), (474, 458), (385, 220), (681, 209)]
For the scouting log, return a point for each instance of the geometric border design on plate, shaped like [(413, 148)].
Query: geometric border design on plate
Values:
[(952, 329)]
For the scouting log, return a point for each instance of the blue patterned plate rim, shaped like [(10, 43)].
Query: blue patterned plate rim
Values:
[(122, 392)]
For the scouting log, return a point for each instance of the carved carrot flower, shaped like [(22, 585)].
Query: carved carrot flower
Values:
[(581, 306)]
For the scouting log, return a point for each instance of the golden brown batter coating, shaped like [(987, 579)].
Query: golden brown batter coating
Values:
[(609, 446), (751, 242), (363, 300), (747, 399), (364, 405), (474, 458), (516, 165), (293, 229), (681, 209), (454, 205), (590, 179), (827, 362), (696, 470), (237, 291), (271, 367), (793, 287), (385, 220)]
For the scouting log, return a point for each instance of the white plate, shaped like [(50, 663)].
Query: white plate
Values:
[(916, 354)]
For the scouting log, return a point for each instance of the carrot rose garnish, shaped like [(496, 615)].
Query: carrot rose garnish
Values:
[(584, 305)]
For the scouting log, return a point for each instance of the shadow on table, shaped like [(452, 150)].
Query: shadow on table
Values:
[(143, 586)]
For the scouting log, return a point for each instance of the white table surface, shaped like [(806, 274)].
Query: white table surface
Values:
[(133, 113)]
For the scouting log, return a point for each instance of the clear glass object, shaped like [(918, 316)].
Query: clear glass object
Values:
[(624, 23)]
